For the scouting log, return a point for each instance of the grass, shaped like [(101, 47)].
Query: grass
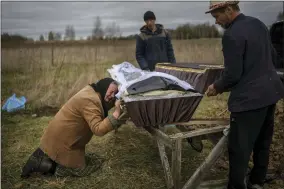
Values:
[(49, 79), (131, 156)]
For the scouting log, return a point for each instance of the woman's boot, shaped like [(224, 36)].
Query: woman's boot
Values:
[(38, 162)]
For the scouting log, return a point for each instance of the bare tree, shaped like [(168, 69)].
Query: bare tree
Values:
[(50, 36), (72, 32), (118, 31), (57, 36), (69, 33), (41, 38), (112, 30), (97, 31)]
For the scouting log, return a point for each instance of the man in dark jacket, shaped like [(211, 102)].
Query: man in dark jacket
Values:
[(153, 45), (255, 88)]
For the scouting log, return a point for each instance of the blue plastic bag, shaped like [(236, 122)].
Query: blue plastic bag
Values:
[(13, 103)]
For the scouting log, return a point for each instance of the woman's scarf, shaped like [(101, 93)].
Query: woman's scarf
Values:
[(101, 87)]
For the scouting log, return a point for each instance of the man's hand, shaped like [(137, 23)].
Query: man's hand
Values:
[(211, 91)]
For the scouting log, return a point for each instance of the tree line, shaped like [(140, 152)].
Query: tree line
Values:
[(112, 31), (190, 31)]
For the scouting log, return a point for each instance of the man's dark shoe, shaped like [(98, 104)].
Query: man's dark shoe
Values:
[(253, 186)]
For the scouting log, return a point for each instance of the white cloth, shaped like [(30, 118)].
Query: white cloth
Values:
[(127, 74)]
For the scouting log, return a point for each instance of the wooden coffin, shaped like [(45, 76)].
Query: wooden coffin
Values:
[(199, 75)]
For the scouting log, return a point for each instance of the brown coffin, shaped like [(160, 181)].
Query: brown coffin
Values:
[(200, 76), (161, 110)]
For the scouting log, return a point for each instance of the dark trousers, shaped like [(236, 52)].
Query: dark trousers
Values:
[(250, 131)]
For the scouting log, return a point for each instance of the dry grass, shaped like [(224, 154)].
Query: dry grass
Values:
[(131, 156), (39, 74), (132, 159)]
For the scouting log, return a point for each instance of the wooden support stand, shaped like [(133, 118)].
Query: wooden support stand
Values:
[(173, 173)]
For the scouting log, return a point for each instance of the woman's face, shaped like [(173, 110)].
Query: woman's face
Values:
[(111, 92)]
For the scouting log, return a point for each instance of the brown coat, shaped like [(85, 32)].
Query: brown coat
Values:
[(72, 128)]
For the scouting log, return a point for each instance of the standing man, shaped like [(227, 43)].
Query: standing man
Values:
[(153, 45), (255, 88)]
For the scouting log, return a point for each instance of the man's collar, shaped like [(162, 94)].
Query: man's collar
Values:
[(239, 17)]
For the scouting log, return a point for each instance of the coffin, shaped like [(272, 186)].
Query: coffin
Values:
[(199, 75), (158, 108), (162, 107)]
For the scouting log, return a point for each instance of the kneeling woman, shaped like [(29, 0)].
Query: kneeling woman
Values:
[(62, 147)]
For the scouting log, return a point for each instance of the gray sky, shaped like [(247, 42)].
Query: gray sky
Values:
[(34, 18)]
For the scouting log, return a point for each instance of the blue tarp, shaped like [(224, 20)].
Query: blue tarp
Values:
[(13, 103)]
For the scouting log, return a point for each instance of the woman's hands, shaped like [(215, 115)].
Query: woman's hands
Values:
[(117, 111)]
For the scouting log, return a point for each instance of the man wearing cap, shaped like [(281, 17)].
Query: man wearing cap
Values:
[(255, 88), (153, 45)]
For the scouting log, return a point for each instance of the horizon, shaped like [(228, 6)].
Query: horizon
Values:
[(32, 19)]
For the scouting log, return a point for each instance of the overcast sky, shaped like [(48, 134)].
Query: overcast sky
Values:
[(34, 18)]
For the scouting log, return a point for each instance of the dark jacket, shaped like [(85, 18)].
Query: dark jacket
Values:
[(249, 71), (153, 48)]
